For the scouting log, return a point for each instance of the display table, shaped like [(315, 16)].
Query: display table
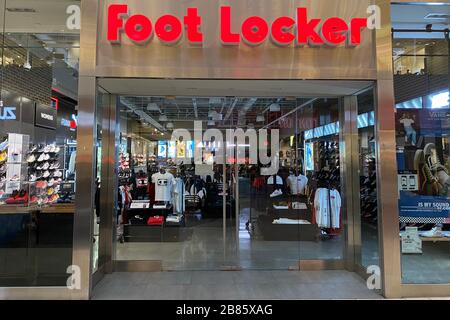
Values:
[(137, 230), (287, 232)]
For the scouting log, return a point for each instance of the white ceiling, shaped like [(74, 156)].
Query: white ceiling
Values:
[(49, 17), (242, 88), (413, 16)]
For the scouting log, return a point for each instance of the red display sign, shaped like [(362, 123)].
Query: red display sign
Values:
[(254, 30)]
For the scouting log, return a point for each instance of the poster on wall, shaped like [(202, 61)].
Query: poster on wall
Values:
[(309, 156), (413, 205), (407, 127), (162, 149), (181, 149), (434, 123), (171, 149), (190, 149)]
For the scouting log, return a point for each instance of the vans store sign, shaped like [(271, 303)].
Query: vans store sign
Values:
[(301, 30)]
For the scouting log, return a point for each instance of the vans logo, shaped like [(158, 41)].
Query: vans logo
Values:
[(8, 113)]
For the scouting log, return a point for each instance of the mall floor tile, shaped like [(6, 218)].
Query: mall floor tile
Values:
[(233, 285)]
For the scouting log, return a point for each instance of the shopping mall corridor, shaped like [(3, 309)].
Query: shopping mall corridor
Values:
[(199, 285)]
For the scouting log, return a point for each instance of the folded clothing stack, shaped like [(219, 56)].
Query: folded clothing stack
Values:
[(174, 218)]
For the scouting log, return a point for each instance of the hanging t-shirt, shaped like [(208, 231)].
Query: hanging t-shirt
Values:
[(163, 186), (297, 184), (278, 180), (178, 196), (327, 205)]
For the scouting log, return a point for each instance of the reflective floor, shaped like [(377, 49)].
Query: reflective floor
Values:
[(198, 285)]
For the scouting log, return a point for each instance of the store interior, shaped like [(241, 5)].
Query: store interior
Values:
[(263, 220)]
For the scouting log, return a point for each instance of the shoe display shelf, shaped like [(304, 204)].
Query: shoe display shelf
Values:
[(13, 170)]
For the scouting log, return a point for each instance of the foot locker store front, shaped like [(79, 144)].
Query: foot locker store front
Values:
[(251, 135)]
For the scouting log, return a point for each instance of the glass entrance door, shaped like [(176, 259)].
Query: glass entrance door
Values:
[(229, 183), (291, 210)]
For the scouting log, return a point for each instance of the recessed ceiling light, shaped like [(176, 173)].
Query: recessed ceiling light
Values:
[(437, 16), (21, 10)]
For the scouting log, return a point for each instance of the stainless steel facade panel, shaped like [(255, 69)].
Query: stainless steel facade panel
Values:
[(215, 61)]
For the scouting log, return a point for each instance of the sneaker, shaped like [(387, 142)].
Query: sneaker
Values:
[(15, 178), (276, 193), (436, 232), (31, 158), (22, 197), (45, 166), (51, 182), (34, 200), (47, 148), (57, 149), (33, 178), (53, 198), (57, 174), (41, 184), (41, 157), (54, 166), (46, 157), (46, 174), (33, 149), (3, 145)]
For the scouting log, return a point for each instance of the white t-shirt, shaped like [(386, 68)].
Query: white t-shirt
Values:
[(297, 184), (163, 186), (278, 180), (407, 123)]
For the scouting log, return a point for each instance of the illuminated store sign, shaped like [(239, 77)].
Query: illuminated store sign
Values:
[(8, 113), (253, 31), (70, 123)]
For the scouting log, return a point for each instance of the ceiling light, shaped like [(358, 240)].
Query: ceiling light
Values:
[(153, 107), (163, 117), (27, 64), (21, 10), (215, 100), (260, 118), (275, 107), (437, 16)]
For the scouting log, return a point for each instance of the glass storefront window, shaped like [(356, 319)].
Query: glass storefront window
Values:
[(38, 126), (421, 78)]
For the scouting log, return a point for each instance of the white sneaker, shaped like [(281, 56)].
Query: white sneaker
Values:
[(41, 157), (31, 159), (57, 174), (276, 193), (46, 174), (436, 232), (51, 182), (54, 166)]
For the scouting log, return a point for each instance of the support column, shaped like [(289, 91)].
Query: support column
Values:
[(386, 159)]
